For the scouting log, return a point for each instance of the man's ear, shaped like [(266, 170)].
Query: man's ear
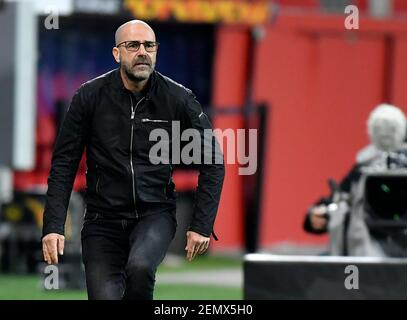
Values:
[(116, 54)]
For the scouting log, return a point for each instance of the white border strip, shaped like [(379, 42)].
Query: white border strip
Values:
[(329, 259), (24, 133)]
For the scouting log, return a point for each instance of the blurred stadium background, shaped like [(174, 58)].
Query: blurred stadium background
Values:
[(286, 67)]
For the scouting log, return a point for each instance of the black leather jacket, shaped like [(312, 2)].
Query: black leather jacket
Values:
[(106, 119)]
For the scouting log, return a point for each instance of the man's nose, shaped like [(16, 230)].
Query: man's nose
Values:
[(142, 50)]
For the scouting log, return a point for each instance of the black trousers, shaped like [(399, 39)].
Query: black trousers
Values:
[(121, 256)]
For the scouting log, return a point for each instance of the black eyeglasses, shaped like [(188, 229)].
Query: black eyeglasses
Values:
[(149, 46)]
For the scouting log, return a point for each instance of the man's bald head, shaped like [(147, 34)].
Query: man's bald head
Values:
[(133, 30)]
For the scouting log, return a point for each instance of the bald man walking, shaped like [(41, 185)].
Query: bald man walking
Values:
[(130, 217)]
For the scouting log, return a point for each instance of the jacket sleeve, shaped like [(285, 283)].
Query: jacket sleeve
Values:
[(211, 170), (67, 154)]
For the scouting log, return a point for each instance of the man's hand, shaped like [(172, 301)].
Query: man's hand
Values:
[(318, 217), (52, 245), (196, 243)]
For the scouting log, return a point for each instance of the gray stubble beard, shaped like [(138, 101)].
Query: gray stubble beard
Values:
[(134, 77)]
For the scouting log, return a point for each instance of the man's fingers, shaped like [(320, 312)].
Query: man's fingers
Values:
[(53, 254), (203, 247), (47, 258), (61, 245), (52, 250), (193, 249), (189, 248), (190, 253), (196, 244), (52, 245), (196, 250)]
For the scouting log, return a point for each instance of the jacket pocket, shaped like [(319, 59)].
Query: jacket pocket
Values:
[(90, 217), (112, 189), (154, 182), (97, 185)]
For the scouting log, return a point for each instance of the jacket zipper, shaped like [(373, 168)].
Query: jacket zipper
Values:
[(153, 120), (133, 112)]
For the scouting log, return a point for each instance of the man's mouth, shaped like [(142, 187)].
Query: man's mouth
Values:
[(142, 64)]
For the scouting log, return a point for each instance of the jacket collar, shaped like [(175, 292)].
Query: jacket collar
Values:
[(118, 82)]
